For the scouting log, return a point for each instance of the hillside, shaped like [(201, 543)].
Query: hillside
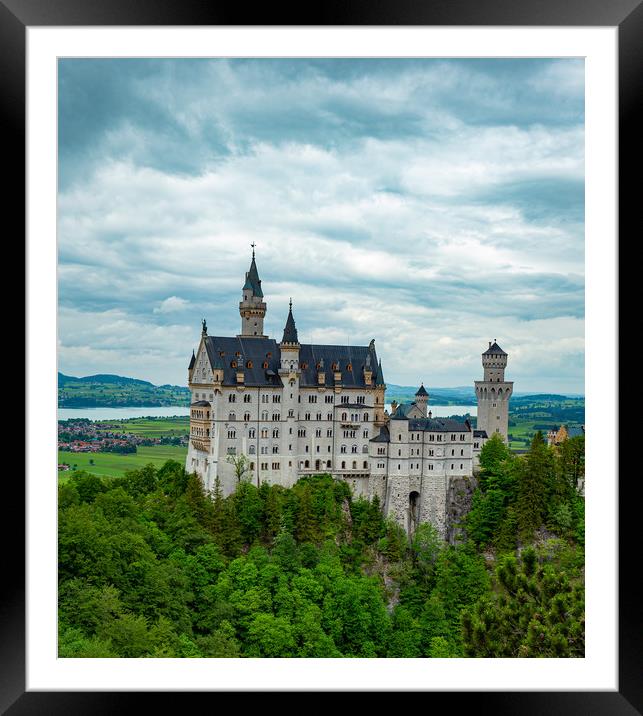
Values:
[(111, 391)]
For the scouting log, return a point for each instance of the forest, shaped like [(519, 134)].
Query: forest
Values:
[(151, 566)]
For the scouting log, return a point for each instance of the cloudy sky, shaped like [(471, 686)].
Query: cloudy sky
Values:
[(433, 205)]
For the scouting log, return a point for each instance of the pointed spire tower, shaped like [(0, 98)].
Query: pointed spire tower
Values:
[(289, 355), (380, 390), (290, 331), (422, 399), (252, 307)]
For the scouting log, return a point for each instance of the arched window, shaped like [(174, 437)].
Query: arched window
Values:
[(232, 398), (365, 448), (344, 416), (343, 465), (365, 417), (232, 416), (354, 464), (252, 449), (365, 465), (307, 464), (327, 463)]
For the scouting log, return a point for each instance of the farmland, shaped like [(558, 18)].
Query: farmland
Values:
[(113, 464)]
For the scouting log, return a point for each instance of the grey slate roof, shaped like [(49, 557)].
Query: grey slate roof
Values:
[(379, 379), (383, 437), (192, 361), (252, 279), (422, 390), (355, 356), (290, 331), (200, 404), (494, 349), (438, 425), (480, 434), (402, 411), (575, 432), (256, 350), (251, 349)]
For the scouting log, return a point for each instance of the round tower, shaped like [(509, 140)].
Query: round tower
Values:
[(493, 393)]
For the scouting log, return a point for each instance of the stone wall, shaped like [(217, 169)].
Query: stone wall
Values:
[(459, 496)]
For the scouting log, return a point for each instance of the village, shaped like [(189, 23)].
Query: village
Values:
[(82, 435)]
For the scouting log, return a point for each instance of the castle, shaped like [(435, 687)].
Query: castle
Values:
[(296, 409)]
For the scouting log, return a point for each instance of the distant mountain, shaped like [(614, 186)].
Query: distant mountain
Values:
[(111, 391), (104, 378)]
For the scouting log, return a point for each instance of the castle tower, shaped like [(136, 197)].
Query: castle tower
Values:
[(493, 393), (252, 307), (422, 399), (380, 390)]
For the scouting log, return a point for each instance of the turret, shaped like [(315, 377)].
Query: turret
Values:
[(422, 399), (252, 307), (191, 366), (493, 393), (289, 346), (380, 390)]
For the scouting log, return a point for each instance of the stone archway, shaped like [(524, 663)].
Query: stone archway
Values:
[(414, 511)]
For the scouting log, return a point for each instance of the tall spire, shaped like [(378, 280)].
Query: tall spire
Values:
[(253, 282), (290, 331), (252, 307), (379, 380)]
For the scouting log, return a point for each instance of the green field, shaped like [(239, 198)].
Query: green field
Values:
[(113, 464), (148, 427)]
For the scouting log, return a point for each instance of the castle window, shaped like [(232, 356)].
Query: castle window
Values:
[(329, 416), (265, 364), (327, 463), (246, 417), (365, 465), (232, 451), (342, 449), (249, 364), (247, 398), (329, 433), (349, 367), (252, 450), (233, 364), (354, 448), (275, 465), (232, 416), (343, 465), (232, 398), (354, 465)]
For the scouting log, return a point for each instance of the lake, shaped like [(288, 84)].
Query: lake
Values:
[(438, 411)]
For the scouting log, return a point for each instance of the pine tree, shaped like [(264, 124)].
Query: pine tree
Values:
[(534, 487)]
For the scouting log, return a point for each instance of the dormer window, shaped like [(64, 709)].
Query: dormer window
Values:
[(249, 364), (233, 364)]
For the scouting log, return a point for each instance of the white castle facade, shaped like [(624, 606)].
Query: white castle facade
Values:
[(296, 409)]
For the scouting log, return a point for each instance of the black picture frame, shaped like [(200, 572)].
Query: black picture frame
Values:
[(627, 15)]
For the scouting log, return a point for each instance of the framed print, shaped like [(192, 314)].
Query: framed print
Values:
[(42, 45)]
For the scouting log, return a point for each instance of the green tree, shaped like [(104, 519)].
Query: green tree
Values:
[(241, 466), (534, 487), (536, 611)]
